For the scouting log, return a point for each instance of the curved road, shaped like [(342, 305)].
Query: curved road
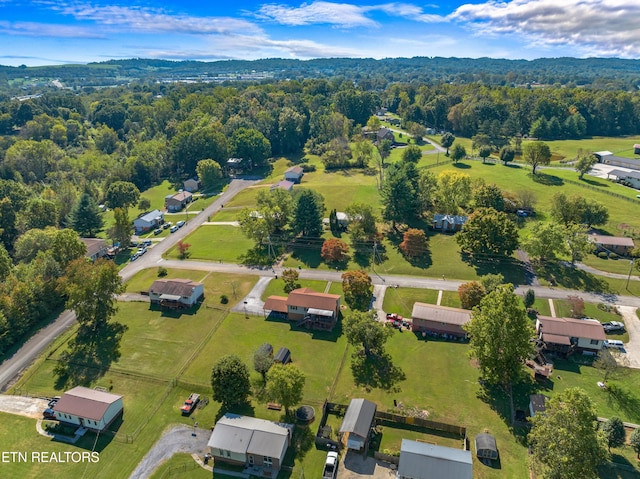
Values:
[(22, 358)]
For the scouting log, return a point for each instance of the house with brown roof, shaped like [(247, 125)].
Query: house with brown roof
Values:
[(569, 335), (431, 318), (89, 408), (294, 174), (96, 248), (177, 202), (176, 293), (307, 307), (621, 245)]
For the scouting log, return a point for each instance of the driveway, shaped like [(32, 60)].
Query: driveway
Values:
[(252, 303), (356, 466), (632, 324), (23, 406)]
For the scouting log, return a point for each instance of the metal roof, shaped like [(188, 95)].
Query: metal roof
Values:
[(612, 240), (486, 441), (573, 328), (320, 312), (86, 403), (151, 216), (359, 417), (440, 314), (174, 287), (245, 434), (625, 174), (421, 460)]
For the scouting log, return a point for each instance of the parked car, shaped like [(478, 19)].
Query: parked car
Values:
[(166, 225), (180, 224), (147, 242), (612, 326), (330, 465), (142, 250), (134, 256), (157, 231), (49, 413), (174, 228), (613, 343), (53, 401), (190, 404)]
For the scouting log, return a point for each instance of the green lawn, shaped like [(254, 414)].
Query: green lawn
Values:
[(619, 266), (181, 466), (215, 243), (276, 287), (621, 146), (401, 300)]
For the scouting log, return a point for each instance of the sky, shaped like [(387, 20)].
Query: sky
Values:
[(47, 32)]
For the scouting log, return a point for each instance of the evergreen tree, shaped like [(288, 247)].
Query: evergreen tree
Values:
[(85, 216), (308, 214)]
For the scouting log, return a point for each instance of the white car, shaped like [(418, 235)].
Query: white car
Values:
[(613, 343)]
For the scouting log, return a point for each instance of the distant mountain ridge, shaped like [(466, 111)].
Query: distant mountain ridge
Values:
[(611, 73)]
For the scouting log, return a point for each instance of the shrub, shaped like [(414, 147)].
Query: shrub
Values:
[(224, 299), (577, 306), (613, 256), (529, 298), (162, 271), (603, 255), (307, 168)]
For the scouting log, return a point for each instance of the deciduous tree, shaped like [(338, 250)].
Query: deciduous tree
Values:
[(446, 140), (263, 360), (634, 440), (209, 172), (334, 251), (488, 232), (484, 152), (122, 194), (120, 231), (399, 193), (507, 154), (471, 294), (585, 164), (358, 289), (230, 381), (285, 384), (362, 223), (290, 278), (458, 152), (412, 154), (488, 196), (363, 331), (414, 243), (565, 440), (453, 191), (545, 241), (183, 249), (536, 153), (614, 432)]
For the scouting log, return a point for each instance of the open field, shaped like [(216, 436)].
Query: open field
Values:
[(620, 146), (215, 243)]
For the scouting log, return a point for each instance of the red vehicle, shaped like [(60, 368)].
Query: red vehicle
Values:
[(190, 404)]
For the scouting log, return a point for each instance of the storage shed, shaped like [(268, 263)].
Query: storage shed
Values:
[(486, 447), (283, 356)]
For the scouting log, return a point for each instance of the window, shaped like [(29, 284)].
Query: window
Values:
[(221, 452), (228, 453), (595, 341), (268, 461), (250, 460)]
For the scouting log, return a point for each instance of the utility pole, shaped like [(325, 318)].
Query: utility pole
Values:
[(270, 248), (631, 263)]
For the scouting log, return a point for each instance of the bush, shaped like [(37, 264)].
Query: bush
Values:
[(224, 299), (613, 256), (532, 313), (162, 271), (603, 255), (307, 168)]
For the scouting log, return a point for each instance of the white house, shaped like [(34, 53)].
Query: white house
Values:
[(176, 292), (89, 408), (294, 174), (258, 444), (566, 335), (148, 221)]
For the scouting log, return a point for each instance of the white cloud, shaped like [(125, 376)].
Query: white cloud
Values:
[(596, 27), (33, 29), (343, 15)]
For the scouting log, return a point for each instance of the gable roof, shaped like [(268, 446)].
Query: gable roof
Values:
[(86, 403), (295, 169), (244, 434), (625, 174), (151, 216), (276, 303), (308, 298), (486, 441), (423, 460), (451, 219), (284, 185), (570, 327), (359, 417), (181, 196), (612, 240), (538, 402), (94, 246), (441, 314), (178, 287)]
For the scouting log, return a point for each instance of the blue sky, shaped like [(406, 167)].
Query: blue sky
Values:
[(43, 32)]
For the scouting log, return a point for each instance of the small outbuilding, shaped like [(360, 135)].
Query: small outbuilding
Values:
[(448, 223), (420, 460), (191, 185), (537, 404), (294, 174), (283, 185), (357, 422), (486, 447), (283, 356)]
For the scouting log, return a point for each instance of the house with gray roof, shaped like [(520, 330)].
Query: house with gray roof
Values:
[(568, 335), (89, 408), (631, 178), (257, 444), (608, 158), (431, 318), (294, 174), (421, 460), (621, 245), (148, 221), (176, 292), (357, 423), (448, 223)]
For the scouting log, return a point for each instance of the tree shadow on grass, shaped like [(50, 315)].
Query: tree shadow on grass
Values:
[(258, 256), (90, 355), (422, 261), (241, 409), (557, 273), (376, 371), (625, 400), (461, 166), (595, 183), (510, 268), (547, 180)]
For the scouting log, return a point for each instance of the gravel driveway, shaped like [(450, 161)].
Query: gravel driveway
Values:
[(632, 324), (23, 406)]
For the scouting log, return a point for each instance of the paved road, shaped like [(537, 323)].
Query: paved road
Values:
[(19, 361)]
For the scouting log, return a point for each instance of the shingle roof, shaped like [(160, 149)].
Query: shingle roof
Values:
[(151, 216), (181, 196), (486, 441), (178, 287), (423, 460), (308, 298), (441, 314), (612, 240), (574, 328), (538, 402), (359, 417), (94, 245), (276, 303), (86, 403)]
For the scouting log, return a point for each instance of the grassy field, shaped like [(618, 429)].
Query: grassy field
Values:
[(276, 287), (620, 146), (215, 243), (401, 300)]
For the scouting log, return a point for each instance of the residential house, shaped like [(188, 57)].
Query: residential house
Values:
[(257, 444), (421, 460), (89, 408), (283, 185), (608, 158), (236, 166), (431, 318), (385, 134), (448, 223), (486, 446), (631, 178), (537, 404), (176, 293), (307, 307), (191, 185), (177, 202), (96, 248), (342, 218), (357, 422), (568, 335), (621, 245), (294, 174), (148, 221)]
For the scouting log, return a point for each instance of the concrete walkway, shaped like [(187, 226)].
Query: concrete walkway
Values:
[(379, 291), (439, 300), (632, 324), (552, 308)]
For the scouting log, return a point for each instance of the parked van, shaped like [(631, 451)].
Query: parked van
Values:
[(613, 343)]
